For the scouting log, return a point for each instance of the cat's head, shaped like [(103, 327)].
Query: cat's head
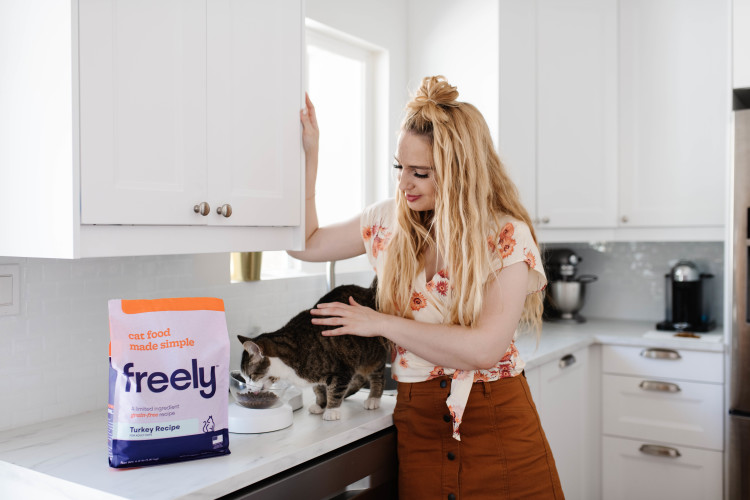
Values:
[(254, 366)]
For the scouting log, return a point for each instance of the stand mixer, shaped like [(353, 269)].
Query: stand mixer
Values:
[(565, 292)]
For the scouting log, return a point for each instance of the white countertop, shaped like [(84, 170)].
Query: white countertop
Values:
[(558, 339), (67, 458)]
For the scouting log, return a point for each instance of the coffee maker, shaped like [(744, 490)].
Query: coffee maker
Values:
[(687, 304), (565, 291)]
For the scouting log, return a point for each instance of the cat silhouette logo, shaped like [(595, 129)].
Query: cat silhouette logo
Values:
[(208, 424)]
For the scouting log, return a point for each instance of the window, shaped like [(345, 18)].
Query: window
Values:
[(340, 80)]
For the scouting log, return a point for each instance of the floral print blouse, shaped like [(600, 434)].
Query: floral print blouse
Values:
[(431, 298)]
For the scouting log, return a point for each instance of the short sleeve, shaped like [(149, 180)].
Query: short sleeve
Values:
[(376, 223), (512, 244)]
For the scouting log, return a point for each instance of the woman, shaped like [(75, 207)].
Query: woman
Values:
[(458, 268)]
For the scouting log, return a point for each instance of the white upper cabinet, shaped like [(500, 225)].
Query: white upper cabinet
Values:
[(184, 102), (172, 127), (143, 111), (675, 104), (614, 116), (253, 111), (741, 43), (576, 113), (558, 108)]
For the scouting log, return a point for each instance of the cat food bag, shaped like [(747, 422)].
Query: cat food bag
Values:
[(168, 380)]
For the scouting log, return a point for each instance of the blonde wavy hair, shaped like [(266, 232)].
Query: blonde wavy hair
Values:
[(473, 190)]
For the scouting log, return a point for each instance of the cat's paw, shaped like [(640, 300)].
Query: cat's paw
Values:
[(372, 403), (332, 414), (315, 409)]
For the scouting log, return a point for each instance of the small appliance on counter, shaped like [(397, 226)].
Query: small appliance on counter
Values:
[(687, 299), (253, 410), (565, 291)]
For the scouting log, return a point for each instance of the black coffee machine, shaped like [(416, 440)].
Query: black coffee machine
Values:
[(687, 299)]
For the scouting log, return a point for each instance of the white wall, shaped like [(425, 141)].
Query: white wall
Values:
[(459, 40)]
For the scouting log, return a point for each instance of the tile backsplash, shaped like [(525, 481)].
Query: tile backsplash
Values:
[(630, 282), (53, 353)]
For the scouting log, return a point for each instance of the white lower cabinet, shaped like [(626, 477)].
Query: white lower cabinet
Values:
[(643, 470), (560, 389), (662, 424), (666, 410)]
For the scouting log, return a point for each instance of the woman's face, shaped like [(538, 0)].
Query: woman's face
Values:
[(414, 171)]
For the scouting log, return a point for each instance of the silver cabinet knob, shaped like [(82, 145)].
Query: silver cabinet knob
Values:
[(545, 220), (624, 219), (203, 209), (225, 210)]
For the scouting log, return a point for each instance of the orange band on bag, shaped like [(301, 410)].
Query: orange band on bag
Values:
[(178, 304)]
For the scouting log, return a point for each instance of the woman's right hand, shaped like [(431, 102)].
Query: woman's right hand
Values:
[(337, 241), (310, 132)]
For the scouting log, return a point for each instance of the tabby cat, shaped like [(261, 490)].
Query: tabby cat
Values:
[(336, 366)]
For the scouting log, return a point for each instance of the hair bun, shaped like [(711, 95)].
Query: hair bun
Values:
[(434, 95)]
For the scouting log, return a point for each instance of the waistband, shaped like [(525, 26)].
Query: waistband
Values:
[(442, 385)]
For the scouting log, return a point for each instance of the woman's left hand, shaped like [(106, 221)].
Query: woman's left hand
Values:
[(351, 319)]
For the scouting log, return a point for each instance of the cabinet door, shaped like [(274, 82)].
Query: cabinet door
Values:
[(142, 111), (576, 113), (674, 111), (254, 99), (741, 43), (563, 410), (648, 471)]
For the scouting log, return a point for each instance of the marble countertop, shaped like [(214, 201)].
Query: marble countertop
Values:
[(67, 458)]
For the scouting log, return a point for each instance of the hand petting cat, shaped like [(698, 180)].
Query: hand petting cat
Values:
[(351, 319)]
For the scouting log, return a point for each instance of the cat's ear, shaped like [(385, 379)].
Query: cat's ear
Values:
[(252, 349), (243, 339)]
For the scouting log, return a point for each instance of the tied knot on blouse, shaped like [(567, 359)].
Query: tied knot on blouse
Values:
[(431, 299)]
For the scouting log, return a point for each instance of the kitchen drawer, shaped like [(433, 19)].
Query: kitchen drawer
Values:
[(629, 473), (644, 408), (678, 364)]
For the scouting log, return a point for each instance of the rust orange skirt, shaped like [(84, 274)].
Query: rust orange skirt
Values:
[(503, 452)]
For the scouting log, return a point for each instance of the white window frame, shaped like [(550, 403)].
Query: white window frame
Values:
[(376, 182)]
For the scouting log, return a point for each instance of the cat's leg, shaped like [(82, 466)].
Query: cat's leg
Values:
[(336, 388), (320, 399), (377, 383), (355, 385)]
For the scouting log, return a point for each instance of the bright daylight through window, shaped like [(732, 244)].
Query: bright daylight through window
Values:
[(338, 75)]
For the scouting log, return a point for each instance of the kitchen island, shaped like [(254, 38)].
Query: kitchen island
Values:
[(67, 458)]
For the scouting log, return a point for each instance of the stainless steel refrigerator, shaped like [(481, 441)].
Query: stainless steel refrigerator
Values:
[(739, 370)]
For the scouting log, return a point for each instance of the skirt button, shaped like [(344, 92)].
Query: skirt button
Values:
[(447, 417), (443, 384)]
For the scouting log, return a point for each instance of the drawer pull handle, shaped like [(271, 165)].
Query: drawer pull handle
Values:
[(652, 385), (659, 451), (656, 353), (566, 361)]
